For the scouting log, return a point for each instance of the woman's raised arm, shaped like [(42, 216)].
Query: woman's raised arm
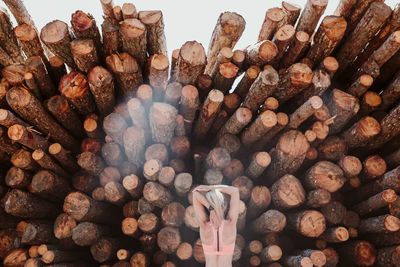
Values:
[(199, 202)]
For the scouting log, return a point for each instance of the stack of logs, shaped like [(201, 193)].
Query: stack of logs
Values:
[(103, 138)]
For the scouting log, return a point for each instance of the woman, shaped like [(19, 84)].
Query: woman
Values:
[(217, 232)]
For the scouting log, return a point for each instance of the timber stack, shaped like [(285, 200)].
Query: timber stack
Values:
[(104, 134)]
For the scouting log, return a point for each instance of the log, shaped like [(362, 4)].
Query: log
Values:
[(287, 192), (310, 16), (21, 158), (37, 232), (218, 157), (273, 18), (244, 185), (168, 239), (128, 75), (56, 36), (213, 176), (344, 105), (261, 125), (104, 249), (158, 75), (14, 74), (292, 12), (282, 39), (111, 42), (46, 162), (310, 223), (369, 103), (227, 31), (157, 194), (191, 63), (264, 86), (8, 39), (304, 111), (335, 235), (134, 144), (325, 175), (173, 214), (157, 151), (49, 185), (137, 113), (75, 88), (90, 162), (133, 39), (88, 233), (225, 55), (84, 54), (258, 163), (269, 221), (334, 212), (288, 156), (173, 93), (296, 47), (189, 105), (115, 193), (328, 36), (29, 41), (388, 256), (84, 27), (294, 80), (330, 65), (259, 201), (56, 256), (361, 132), (376, 14), (361, 85), (114, 126), (247, 80), (389, 128), (281, 121), (296, 261), (261, 53), (376, 202), (65, 114), (63, 156), (162, 122), (225, 76), (148, 222), (19, 133), (17, 178), (156, 42), (128, 11), (381, 224), (28, 107), (270, 254), (209, 111), (26, 205), (16, 257)]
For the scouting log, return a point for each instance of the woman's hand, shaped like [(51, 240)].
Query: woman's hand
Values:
[(203, 188)]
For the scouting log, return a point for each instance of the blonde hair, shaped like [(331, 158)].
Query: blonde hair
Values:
[(217, 201)]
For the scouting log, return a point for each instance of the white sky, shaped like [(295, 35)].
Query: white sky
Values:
[(184, 20)]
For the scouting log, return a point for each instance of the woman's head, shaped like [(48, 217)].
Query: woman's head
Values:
[(217, 201)]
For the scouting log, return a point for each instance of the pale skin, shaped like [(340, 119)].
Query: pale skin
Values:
[(229, 231)]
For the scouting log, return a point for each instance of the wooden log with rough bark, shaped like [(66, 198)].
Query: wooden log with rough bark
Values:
[(288, 155), (227, 31), (28, 107), (376, 14), (273, 18), (156, 42), (57, 37), (328, 36), (190, 63), (310, 15), (127, 73)]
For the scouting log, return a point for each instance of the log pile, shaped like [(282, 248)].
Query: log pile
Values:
[(103, 137)]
